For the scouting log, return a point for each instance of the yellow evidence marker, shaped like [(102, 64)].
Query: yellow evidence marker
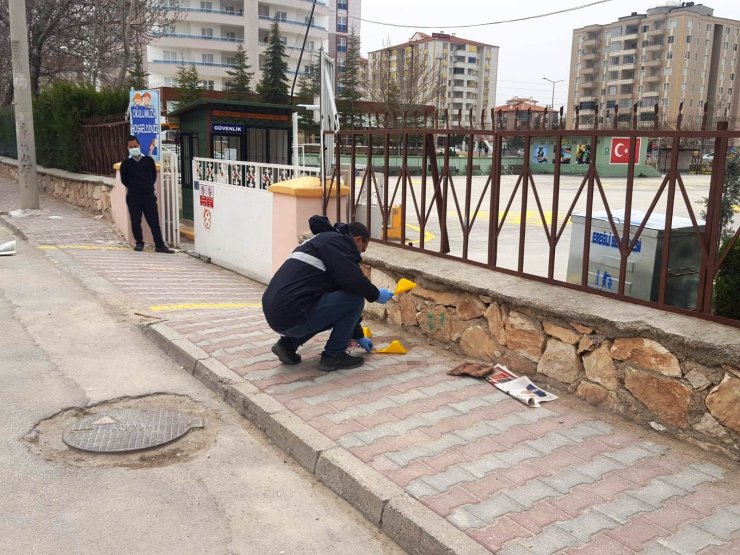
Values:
[(403, 286), (394, 348)]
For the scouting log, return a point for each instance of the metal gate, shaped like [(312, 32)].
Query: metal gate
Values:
[(170, 201)]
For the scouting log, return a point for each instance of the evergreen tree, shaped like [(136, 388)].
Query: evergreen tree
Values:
[(273, 87), (188, 82), (240, 77), (350, 83), (309, 87), (137, 77)]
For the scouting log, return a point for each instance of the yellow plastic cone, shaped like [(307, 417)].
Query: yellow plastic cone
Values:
[(403, 286), (366, 331), (395, 348)]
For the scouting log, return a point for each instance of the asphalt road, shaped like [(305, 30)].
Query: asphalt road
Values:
[(223, 489)]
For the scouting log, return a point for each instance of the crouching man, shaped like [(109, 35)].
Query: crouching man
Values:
[(321, 287)]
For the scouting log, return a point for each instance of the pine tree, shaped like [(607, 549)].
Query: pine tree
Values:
[(273, 87), (350, 82), (137, 77), (188, 82), (240, 77), (309, 87)]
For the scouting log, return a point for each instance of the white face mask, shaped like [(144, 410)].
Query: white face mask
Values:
[(136, 151)]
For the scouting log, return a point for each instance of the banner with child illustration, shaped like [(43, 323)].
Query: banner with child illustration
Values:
[(145, 123)]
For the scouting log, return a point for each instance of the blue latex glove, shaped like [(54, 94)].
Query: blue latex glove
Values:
[(385, 295), (365, 343)]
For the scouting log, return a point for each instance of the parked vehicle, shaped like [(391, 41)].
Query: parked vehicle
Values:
[(709, 157)]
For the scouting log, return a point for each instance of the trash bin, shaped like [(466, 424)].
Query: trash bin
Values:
[(643, 265)]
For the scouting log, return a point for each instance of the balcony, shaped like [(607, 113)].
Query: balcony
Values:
[(588, 70), (591, 42), (653, 46), (655, 33), (651, 79), (590, 55), (627, 67), (654, 63), (290, 22), (197, 37)]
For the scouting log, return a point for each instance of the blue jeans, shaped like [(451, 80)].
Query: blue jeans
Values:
[(338, 311)]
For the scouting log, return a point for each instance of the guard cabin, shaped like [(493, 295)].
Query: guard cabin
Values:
[(231, 130)]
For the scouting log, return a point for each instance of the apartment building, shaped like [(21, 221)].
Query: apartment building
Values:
[(209, 32), (464, 71), (344, 17), (671, 54)]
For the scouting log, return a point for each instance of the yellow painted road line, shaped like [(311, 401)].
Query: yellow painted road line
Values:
[(428, 235), (201, 306), (83, 247)]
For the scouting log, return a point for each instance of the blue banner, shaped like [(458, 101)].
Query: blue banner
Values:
[(145, 125)]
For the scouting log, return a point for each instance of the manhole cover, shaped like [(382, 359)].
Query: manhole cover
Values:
[(124, 430)]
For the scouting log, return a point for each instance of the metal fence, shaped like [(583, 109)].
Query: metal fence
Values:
[(102, 143), (247, 174), (516, 223)]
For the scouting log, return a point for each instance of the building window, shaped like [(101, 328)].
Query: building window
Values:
[(458, 71), (709, 27), (472, 60), (208, 84), (342, 5), (231, 35), (169, 56), (341, 44), (206, 32), (206, 6), (688, 39), (669, 56), (281, 16), (207, 59), (670, 39), (645, 28), (170, 82), (341, 24)]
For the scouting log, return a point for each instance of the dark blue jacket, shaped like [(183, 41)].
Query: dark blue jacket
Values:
[(327, 262)]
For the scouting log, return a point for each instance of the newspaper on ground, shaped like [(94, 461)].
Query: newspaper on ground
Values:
[(520, 388), (7, 249)]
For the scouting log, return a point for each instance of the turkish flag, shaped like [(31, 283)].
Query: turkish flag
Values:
[(620, 151)]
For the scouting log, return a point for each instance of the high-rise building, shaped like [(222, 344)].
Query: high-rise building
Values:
[(671, 54), (463, 71), (208, 33)]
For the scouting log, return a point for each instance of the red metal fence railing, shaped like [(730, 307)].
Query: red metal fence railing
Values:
[(503, 211), (102, 143)]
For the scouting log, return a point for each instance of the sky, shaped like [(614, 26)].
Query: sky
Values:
[(528, 50)]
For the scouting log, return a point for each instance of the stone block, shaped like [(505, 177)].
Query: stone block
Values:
[(585, 344), (599, 367), (667, 399), (713, 374), (524, 337), (496, 319), (393, 312), (478, 343), (566, 335), (379, 278), (698, 380), (594, 394), (436, 322), (560, 361), (709, 426), (407, 306), (581, 328), (437, 297), (647, 354), (470, 308), (723, 402), (375, 311), (459, 327), (518, 363)]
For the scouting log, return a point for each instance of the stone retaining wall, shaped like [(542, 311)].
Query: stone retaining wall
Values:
[(90, 192), (684, 390)]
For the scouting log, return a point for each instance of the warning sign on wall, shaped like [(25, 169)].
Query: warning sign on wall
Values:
[(206, 195)]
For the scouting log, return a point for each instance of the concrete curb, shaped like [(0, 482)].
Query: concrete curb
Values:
[(414, 527)]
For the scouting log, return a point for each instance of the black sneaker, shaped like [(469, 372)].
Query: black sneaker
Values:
[(285, 352), (343, 361), (165, 250), (138, 247)]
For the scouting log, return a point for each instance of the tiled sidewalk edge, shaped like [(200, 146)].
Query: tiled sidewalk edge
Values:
[(414, 527)]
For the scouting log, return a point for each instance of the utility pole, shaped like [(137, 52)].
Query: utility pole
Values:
[(552, 103), (27, 178)]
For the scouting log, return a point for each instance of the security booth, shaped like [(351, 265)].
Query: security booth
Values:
[(642, 279), (231, 130)]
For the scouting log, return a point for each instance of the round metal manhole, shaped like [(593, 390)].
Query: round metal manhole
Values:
[(123, 430)]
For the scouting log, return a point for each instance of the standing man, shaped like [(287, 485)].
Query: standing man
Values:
[(138, 174), (321, 287)]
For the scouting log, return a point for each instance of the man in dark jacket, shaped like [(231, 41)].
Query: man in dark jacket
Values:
[(320, 287), (139, 174)]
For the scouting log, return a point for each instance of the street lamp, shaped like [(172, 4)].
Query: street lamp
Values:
[(552, 104)]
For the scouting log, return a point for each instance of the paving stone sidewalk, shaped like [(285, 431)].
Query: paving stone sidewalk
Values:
[(559, 479)]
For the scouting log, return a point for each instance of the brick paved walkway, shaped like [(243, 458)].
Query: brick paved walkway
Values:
[(517, 480)]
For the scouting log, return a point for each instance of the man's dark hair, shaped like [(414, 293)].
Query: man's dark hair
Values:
[(132, 138), (356, 229)]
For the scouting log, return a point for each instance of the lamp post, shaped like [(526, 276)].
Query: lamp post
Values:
[(552, 104)]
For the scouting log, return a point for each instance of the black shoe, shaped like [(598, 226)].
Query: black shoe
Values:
[(165, 250), (343, 361), (286, 353), (138, 247)]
